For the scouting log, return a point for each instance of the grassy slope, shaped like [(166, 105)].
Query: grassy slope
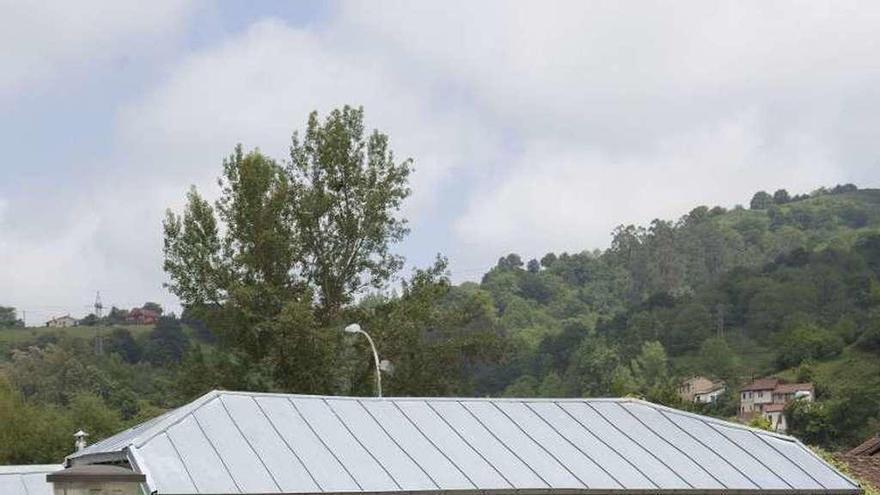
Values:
[(31, 334), (852, 366)]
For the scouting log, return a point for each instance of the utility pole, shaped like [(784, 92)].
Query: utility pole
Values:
[(99, 312), (719, 308), (99, 308)]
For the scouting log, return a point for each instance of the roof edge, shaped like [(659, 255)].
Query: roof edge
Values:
[(587, 491)]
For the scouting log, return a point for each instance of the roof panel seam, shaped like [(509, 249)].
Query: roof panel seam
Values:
[(327, 448), (133, 456), (640, 446), (539, 445), (438, 449), (387, 434), (597, 437), (206, 399), (182, 461), (289, 447), (588, 456), (217, 453), (23, 484), (256, 454), (828, 465), (710, 449), (356, 439), (524, 463), (458, 433), (675, 447), (789, 459), (715, 427)]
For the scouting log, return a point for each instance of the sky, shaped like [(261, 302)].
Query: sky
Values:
[(533, 126)]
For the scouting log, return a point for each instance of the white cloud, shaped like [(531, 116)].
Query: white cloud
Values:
[(54, 40), (534, 126), (561, 197), (259, 87), (622, 112)]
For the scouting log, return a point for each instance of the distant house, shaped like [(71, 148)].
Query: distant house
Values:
[(62, 322), (769, 396), (786, 392), (141, 316), (754, 396), (701, 390)]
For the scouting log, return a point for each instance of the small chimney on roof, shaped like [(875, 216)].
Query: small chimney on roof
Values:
[(80, 437)]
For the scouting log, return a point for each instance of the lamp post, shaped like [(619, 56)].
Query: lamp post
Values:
[(355, 328)]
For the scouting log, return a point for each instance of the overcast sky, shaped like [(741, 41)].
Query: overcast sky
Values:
[(534, 127)]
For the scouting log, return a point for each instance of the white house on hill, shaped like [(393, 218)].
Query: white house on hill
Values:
[(62, 322)]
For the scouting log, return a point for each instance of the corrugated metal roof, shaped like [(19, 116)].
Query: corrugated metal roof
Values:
[(234, 442), (27, 480)]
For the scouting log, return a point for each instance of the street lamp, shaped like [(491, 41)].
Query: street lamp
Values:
[(380, 365)]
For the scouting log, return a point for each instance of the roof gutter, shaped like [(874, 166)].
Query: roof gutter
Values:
[(582, 491)]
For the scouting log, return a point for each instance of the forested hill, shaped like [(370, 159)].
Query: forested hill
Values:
[(787, 287), (677, 261)]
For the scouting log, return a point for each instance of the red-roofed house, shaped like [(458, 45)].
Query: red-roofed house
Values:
[(768, 397), (141, 316), (785, 392), (755, 395)]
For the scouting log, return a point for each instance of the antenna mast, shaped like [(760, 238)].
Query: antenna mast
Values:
[(99, 308)]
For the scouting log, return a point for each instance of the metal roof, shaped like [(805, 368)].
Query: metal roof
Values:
[(235, 442), (27, 480)]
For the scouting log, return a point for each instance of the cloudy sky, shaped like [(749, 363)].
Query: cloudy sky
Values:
[(534, 127)]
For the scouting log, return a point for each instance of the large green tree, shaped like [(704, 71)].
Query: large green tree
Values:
[(346, 192), (286, 247)]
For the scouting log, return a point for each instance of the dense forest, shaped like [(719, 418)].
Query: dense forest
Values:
[(271, 272)]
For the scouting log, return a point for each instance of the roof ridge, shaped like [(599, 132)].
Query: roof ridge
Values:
[(161, 426), (422, 398), (141, 433)]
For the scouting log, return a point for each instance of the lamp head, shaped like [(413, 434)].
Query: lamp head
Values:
[(353, 328)]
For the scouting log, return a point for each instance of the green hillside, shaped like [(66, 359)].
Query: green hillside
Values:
[(787, 287), (17, 336)]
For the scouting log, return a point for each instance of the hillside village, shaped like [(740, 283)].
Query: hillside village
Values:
[(764, 398)]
